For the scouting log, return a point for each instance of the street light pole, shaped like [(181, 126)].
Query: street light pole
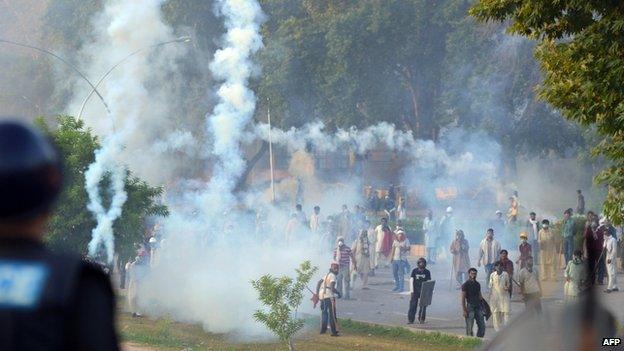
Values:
[(271, 153), (184, 39), (69, 64)]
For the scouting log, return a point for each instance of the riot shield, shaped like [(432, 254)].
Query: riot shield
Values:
[(426, 293)]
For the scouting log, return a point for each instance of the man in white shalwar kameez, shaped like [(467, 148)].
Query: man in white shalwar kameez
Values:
[(429, 229), (500, 303), (379, 258), (575, 278), (610, 252), (372, 238)]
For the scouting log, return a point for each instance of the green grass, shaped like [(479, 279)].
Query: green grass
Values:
[(165, 334), (433, 339)]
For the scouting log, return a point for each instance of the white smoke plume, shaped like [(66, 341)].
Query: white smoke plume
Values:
[(314, 134), (212, 246), (233, 65), (122, 28), (105, 163), (457, 155), (143, 90)]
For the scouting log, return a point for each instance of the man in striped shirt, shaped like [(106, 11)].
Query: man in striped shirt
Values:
[(343, 255)]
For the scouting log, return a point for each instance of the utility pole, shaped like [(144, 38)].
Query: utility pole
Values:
[(271, 153)]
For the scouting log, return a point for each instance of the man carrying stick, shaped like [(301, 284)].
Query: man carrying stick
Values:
[(327, 295)]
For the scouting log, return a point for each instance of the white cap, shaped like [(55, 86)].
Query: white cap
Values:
[(334, 263), (152, 240), (449, 209), (498, 212)]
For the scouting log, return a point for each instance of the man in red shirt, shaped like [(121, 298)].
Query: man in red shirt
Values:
[(525, 250), (344, 255), (507, 266)]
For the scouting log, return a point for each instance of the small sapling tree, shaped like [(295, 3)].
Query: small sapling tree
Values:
[(282, 297)]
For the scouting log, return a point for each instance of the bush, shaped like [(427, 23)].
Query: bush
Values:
[(579, 230), (281, 297)]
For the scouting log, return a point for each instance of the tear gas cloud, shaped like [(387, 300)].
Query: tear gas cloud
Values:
[(141, 105), (127, 96), (214, 243), (212, 247), (236, 105)]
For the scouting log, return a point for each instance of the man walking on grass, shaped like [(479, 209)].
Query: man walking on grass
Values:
[(327, 295)]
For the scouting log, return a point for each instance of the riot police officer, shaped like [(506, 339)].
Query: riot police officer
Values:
[(48, 301)]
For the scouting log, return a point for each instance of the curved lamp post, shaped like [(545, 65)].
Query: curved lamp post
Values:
[(69, 64), (184, 39)]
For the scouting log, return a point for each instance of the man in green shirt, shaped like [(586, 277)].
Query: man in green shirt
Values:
[(568, 235)]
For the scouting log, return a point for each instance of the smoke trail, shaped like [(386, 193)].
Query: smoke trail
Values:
[(458, 152), (105, 162), (314, 134), (122, 28), (236, 105), (209, 257)]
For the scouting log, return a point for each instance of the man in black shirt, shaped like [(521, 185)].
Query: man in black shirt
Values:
[(471, 304), (49, 301), (420, 274)]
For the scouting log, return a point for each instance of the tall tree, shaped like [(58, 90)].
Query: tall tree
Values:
[(580, 47), (488, 85), (356, 62), (71, 224)]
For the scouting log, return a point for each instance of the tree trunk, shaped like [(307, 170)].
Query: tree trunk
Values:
[(414, 96), (240, 185), (413, 91), (291, 346), (510, 169)]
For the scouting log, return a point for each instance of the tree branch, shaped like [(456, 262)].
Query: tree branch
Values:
[(240, 185)]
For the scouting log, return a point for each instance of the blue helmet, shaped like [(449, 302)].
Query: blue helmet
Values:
[(30, 171)]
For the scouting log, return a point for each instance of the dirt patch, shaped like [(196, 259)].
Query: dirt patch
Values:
[(126, 346)]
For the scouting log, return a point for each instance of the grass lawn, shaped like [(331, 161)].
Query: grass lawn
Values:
[(165, 334)]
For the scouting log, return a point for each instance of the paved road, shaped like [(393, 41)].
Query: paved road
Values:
[(381, 305)]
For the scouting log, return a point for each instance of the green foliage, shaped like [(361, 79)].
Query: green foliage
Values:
[(70, 226), (579, 230), (180, 336), (282, 296), (354, 63), (418, 64), (489, 86), (406, 334), (580, 52)]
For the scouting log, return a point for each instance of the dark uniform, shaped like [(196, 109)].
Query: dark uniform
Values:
[(48, 301), (419, 276), (53, 302)]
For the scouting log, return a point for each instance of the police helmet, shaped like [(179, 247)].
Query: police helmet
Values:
[(30, 171)]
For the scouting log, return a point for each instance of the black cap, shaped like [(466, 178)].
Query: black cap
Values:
[(30, 171)]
